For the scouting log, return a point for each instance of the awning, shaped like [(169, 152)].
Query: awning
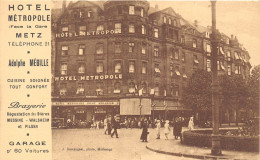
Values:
[(131, 106), (221, 51)]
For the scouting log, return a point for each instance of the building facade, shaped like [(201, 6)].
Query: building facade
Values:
[(128, 58)]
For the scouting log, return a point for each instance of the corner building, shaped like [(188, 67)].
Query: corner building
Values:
[(128, 58)]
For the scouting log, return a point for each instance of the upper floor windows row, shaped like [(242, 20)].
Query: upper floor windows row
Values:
[(132, 10), (82, 14)]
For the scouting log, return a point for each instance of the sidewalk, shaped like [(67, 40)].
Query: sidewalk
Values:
[(175, 148)]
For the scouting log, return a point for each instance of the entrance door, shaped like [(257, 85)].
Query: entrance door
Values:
[(80, 117)]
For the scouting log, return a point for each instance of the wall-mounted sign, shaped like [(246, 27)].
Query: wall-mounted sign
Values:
[(84, 34), (89, 78), (113, 103)]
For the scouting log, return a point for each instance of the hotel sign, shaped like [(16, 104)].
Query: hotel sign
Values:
[(89, 78), (84, 34), (114, 103)]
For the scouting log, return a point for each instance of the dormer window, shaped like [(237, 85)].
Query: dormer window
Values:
[(164, 20), (131, 10)]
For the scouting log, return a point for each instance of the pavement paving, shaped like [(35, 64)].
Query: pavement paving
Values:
[(92, 144)]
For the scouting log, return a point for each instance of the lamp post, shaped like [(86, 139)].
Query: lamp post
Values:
[(216, 147)]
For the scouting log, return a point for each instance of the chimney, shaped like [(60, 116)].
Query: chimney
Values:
[(156, 6), (196, 23)]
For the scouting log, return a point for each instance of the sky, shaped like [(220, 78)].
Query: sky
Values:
[(240, 18)]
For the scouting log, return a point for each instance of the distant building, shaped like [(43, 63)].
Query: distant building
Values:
[(128, 58)]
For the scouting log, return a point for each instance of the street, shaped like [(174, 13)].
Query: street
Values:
[(93, 144)]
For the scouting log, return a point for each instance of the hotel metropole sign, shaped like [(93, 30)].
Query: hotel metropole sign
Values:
[(84, 34), (89, 78)]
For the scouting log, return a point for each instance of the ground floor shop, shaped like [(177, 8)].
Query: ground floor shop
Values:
[(85, 113)]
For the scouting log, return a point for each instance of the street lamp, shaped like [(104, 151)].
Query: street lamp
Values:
[(216, 147)]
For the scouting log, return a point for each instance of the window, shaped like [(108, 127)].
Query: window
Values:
[(182, 39), (100, 48), (89, 14), (100, 67), (222, 67), (236, 55), (81, 13), (64, 50), (194, 43), (177, 72), (81, 49), (117, 87), (164, 20), (119, 9), (131, 28), (117, 27), (156, 68), (170, 21), (237, 69), (144, 67), (144, 87), (65, 29), (142, 12), (131, 88), (208, 48), (131, 67), (195, 60), (81, 68), (131, 47), (117, 67), (156, 89), (100, 28), (156, 34), (176, 91), (80, 89), (99, 88), (218, 64), (184, 73), (228, 56), (229, 69), (174, 22), (221, 51), (143, 29), (63, 69), (118, 48), (131, 10), (156, 51), (143, 49), (63, 89), (208, 65), (183, 57), (82, 30), (176, 54)]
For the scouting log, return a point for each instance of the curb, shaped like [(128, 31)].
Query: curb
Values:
[(190, 155)]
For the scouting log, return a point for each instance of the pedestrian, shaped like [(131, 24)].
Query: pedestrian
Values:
[(180, 128), (109, 127), (158, 127), (98, 122), (175, 128), (144, 131), (115, 126), (166, 129), (105, 125), (126, 123), (191, 124)]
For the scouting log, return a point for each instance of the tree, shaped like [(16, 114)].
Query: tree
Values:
[(197, 94), (253, 87), (234, 91)]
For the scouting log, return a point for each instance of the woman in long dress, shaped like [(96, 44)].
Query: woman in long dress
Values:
[(166, 129), (191, 124), (144, 131)]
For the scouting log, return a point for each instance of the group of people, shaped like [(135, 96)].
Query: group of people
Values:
[(111, 124)]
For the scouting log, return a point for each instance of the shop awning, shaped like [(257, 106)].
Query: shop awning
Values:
[(131, 106)]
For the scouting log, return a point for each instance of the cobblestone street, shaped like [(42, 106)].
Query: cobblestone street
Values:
[(84, 144)]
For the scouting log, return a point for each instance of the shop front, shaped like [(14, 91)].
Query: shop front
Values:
[(82, 114)]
